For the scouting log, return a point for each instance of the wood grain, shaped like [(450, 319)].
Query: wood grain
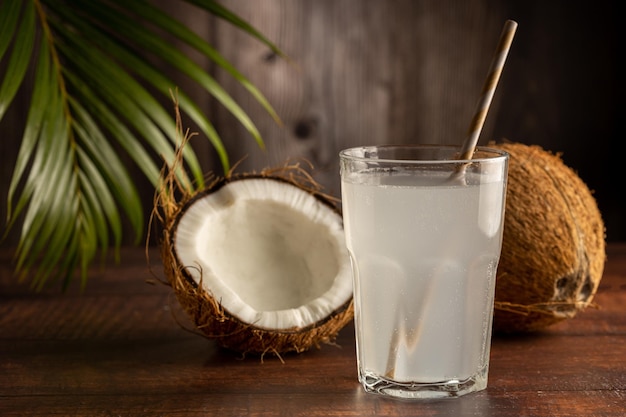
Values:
[(400, 71), (122, 347)]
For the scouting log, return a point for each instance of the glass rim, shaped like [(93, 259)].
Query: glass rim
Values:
[(350, 154)]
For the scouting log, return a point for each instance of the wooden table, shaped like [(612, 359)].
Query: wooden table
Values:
[(121, 348)]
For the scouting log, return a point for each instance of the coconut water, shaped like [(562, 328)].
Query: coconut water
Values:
[(424, 252)]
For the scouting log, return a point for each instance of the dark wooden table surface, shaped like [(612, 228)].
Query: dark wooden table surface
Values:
[(121, 348)]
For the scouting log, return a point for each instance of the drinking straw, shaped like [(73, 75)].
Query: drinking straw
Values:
[(469, 144), (489, 88)]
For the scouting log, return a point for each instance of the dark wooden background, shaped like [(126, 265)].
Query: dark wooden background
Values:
[(404, 71)]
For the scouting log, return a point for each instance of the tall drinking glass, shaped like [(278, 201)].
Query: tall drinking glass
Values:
[(424, 233)]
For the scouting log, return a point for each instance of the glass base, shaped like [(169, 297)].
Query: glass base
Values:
[(420, 390)]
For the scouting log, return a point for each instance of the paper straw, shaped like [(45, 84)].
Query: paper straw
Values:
[(489, 88)]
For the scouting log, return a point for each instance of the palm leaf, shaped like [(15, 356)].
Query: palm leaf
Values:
[(177, 29), (108, 164), (93, 76), (144, 40), (220, 11), (22, 48), (154, 78), (123, 93)]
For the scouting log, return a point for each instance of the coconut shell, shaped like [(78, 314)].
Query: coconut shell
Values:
[(553, 250), (208, 315)]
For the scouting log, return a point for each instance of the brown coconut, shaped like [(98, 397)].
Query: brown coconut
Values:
[(206, 310), (553, 250)]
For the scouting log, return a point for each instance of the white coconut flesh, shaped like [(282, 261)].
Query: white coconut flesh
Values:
[(271, 253)]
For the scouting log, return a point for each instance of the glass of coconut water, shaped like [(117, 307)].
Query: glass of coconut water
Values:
[(424, 233)]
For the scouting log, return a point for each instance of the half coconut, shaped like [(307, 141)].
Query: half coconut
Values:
[(259, 263)]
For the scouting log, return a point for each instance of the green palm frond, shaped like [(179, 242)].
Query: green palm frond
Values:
[(94, 91)]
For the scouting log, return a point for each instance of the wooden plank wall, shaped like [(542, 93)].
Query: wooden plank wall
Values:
[(363, 72), (407, 71)]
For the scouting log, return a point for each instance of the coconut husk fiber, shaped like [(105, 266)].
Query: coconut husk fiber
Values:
[(553, 250)]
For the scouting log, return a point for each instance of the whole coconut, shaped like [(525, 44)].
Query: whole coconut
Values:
[(553, 249)]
